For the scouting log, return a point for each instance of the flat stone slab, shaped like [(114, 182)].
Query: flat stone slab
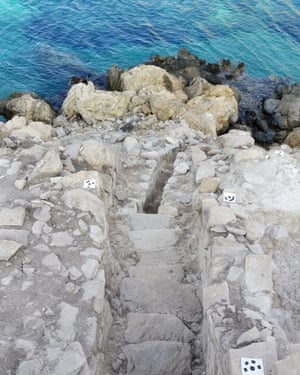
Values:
[(220, 215), (158, 358), (12, 217), (173, 271), (8, 249), (290, 365), (162, 296), (258, 273), (150, 239), (149, 221), (155, 327), (167, 255)]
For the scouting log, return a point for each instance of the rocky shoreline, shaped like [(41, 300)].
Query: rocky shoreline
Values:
[(142, 230), (269, 107)]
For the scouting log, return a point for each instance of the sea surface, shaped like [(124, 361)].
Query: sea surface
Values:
[(43, 43)]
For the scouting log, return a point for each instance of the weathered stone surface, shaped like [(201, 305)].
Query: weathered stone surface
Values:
[(8, 248), (86, 201), (155, 327), (217, 107), (49, 166), (145, 75), (220, 215), (258, 273), (93, 291), (30, 367), (209, 185), (149, 221), (158, 358), (52, 261), (12, 217), (237, 139), (28, 105), (293, 139), (251, 154), (205, 169), (95, 105), (289, 108), (72, 361), (97, 155), (160, 296), (150, 239), (249, 336), (66, 322), (131, 146), (215, 293), (290, 365), (171, 271)]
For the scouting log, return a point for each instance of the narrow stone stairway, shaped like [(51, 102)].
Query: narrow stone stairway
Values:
[(160, 307)]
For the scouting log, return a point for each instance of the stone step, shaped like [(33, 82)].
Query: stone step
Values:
[(155, 327), (162, 296), (168, 271), (167, 255), (151, 239), (149, 221), (158, 358)]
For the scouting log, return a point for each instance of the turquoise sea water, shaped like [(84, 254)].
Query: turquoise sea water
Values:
[(43, 43)]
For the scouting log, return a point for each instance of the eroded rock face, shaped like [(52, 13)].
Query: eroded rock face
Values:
[(94, 105), (28, 105)]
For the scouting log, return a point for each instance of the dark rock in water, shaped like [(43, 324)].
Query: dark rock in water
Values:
[(74, 80), (188, 66), (113, 78), (29, 105)]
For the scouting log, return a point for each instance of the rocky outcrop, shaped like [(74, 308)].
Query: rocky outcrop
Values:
[(94, 106), (148, 89), (28, 105)]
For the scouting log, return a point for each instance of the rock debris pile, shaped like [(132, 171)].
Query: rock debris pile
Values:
[(134, 241)]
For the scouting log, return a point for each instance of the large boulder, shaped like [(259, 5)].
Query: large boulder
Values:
[(148, 75), (293, 139), (213, 110), (94, 105), (289, 109), (27, 105)]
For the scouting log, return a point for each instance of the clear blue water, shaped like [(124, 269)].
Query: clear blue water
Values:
[(43, 43)]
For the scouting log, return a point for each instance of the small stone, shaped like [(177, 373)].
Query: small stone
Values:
[(31, 367), (181, 169), (220, 215), (74, 273), (131, 146), (249, 336), (205, 169), (20, 184), (52, 261), (215, 293), (8, 249), (12, 216), (90, 268), (93, 253), (61, 239), (209, 185), (234, 274), (96, 234), (49, 166), (67, 322), (72, 361)]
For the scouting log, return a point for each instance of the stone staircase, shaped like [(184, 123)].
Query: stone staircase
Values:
[(160, 307)]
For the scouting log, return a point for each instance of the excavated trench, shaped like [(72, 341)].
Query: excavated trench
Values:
[(160, 178), (123, 357)]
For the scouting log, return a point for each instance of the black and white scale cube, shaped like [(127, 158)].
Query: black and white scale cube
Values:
[(89, 184), (252, 366)]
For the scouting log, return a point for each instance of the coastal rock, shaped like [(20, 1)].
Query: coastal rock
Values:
[(213, 111), (293, 139), (21, 130), (146, 75), (94, 105), (289, 108), (28, 105)]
